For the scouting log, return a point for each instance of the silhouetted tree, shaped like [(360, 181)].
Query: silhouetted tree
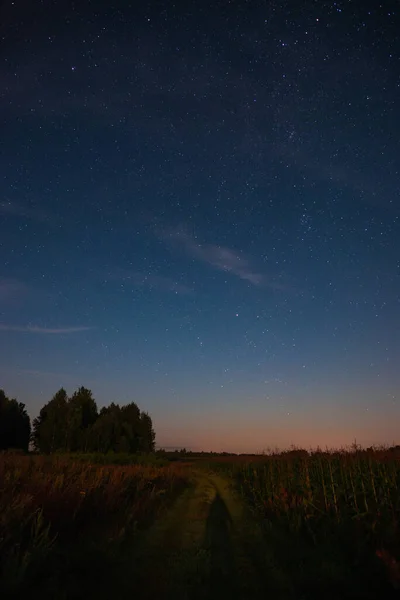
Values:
[(74, 424), (82, 414), (105, 432), (122, 429), (148, 434), (15, 425), (50, 428), (131, 427)]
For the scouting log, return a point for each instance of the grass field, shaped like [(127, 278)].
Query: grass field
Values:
[(289, 526), (64, 514)]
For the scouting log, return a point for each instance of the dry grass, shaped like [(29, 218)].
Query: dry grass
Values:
[(47, 503)]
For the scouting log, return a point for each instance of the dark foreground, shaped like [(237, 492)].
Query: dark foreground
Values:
[(206, 544)]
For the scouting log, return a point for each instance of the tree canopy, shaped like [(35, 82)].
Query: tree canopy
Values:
[(72, 424), (15, 425)]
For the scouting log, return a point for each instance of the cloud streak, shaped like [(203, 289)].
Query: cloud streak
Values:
[(225, 259), (43, 330), (220, 257)]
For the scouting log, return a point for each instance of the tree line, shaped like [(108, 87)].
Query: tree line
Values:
[(74, 424)]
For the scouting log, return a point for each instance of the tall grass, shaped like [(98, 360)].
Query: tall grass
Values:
[(117, 458), (331, 514), (47, 503), (338, 487)]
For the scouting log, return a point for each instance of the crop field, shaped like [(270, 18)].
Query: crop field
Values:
[(333, 518), (295, 525)]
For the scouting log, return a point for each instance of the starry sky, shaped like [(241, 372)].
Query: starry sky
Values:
[(200, 212)]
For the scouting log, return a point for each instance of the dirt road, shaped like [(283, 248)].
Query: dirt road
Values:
[(207, 547)]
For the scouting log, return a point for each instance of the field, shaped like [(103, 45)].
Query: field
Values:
[(295, 525), (332, 518), (60, 516)]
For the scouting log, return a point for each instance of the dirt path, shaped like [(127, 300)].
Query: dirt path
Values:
[(207, 547)]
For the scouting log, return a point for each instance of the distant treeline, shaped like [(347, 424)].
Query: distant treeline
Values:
[(291, 453), (74, 424)]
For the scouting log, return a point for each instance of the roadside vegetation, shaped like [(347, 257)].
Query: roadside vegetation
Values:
[(59, 516)]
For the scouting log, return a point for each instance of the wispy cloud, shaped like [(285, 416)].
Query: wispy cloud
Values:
[(219, 257), (150, 280), (43, 330), (224, 259)]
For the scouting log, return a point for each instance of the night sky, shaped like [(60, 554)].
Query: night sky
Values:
[(200, 212)]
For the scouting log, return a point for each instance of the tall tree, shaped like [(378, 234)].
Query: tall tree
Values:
[(131, 427), (15, 426), (50, 427), (82, 414), (148, 434), (105, 433)]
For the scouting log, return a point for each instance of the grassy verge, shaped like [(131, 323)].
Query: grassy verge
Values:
[(63, 520)]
